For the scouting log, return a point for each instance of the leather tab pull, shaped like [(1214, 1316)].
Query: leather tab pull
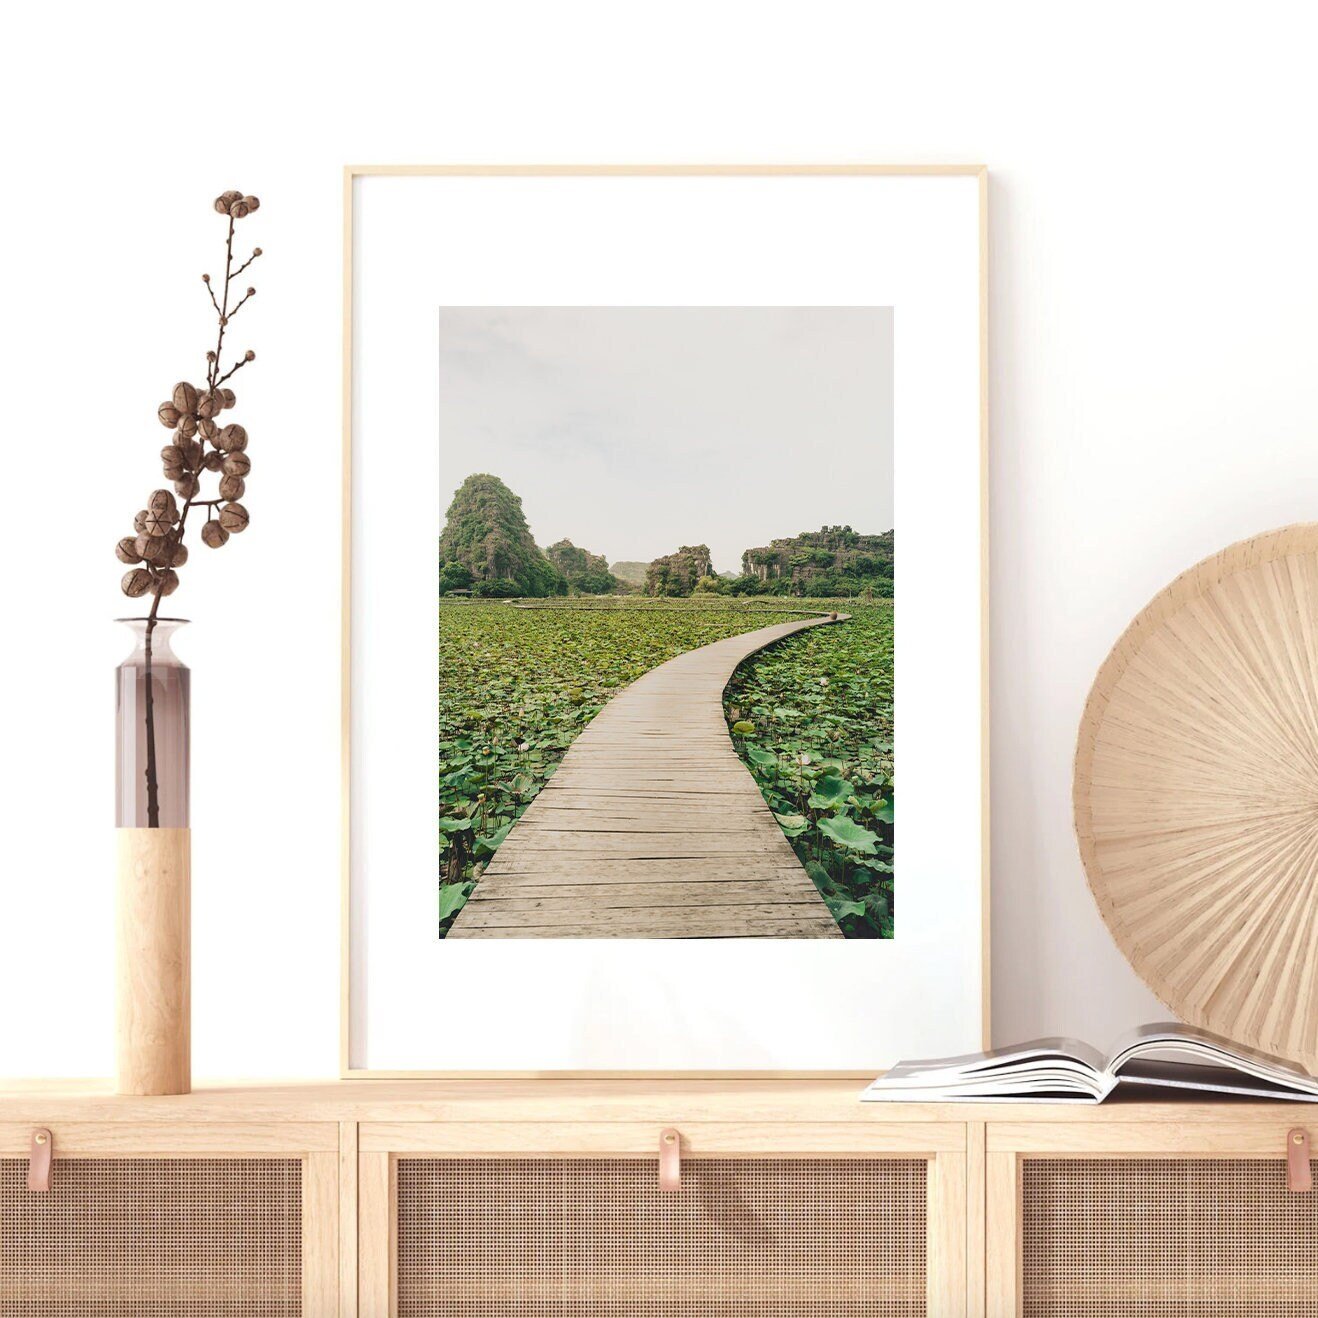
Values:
[(1299, 1177), (40, 1156), (670, 1161)]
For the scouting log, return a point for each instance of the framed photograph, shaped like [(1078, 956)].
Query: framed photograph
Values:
[(665, 648)]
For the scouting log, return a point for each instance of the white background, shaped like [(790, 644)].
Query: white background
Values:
[(654, 1004), (1154, 396)]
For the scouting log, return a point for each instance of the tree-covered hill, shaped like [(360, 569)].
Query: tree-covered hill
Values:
[(678, 574), (583, 571), (834, 560), (487, 547)]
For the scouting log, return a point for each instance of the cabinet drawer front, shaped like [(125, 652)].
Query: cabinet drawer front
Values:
[(788, 1237), (150, 1237), (1190, 1237)]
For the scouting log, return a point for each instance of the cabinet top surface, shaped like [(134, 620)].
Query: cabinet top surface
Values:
[(529, 1100)]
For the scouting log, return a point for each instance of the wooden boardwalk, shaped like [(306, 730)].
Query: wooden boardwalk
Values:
[(651, 826)]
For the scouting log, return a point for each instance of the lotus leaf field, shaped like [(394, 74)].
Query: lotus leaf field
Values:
[(811, 717)]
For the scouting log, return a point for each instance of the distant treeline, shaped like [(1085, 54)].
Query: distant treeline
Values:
[(487, 550)]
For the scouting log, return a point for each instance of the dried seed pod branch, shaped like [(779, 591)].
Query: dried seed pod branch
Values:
[(256, 251), (248, 356), (156, 550)]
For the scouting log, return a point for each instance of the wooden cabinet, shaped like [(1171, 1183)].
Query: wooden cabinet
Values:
[(145, 1219), (366, 1199), (1188, 1213), (569, 1218)]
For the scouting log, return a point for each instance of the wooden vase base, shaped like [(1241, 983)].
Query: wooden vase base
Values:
[(153, 1009)]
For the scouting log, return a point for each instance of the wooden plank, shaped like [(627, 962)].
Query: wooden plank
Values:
[(1257, 1137), (651, 827), (1002, 1217), (709, 892), (377, 1235), (641, 1139), (320, 1235), (619, 873), (946, 1226), (347, 1219), (236, 1136), (227, 1114), (729, 923), (976, 1196)]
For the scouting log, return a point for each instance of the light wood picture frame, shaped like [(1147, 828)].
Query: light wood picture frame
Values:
[(970, 977)]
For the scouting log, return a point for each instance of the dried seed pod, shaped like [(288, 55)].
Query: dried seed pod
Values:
[(185, 396), (236, 464), (158, 524), (126, 550), (213, 535), (192, 452), (207, 428), (151, 548), (137, 582), (239, 209), (187, 426), (188, 487), (252, 203), (232, 439), (162, 503), (168, 414), (172, 462), (225, 200), (168, 581), (139, 522), (177, 556), (230, 398), (209, 404), (233, 517), (231, 487), (213, 460)]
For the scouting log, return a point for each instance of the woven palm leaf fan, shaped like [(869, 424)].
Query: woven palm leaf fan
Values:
[(1196, 793)]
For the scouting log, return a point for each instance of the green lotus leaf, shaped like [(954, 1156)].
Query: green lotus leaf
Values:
[(830, 791), (847, 833), (452, 898), (493, 841)]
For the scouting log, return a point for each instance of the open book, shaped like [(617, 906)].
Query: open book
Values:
[(1166, 1056)]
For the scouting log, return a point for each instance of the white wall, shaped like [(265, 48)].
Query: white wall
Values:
[(1154, 396)]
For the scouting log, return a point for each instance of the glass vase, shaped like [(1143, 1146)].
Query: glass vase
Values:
[(152, 701)]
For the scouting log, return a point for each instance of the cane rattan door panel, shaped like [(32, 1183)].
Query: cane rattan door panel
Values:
[(1166, 1238), (147, 1237), (792, 1238)]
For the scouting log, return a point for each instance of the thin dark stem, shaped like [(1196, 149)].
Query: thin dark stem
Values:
[(224, 304), (152, 778), (236, 367)]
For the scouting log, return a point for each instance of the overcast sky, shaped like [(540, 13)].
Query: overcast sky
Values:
[(633, 430)]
